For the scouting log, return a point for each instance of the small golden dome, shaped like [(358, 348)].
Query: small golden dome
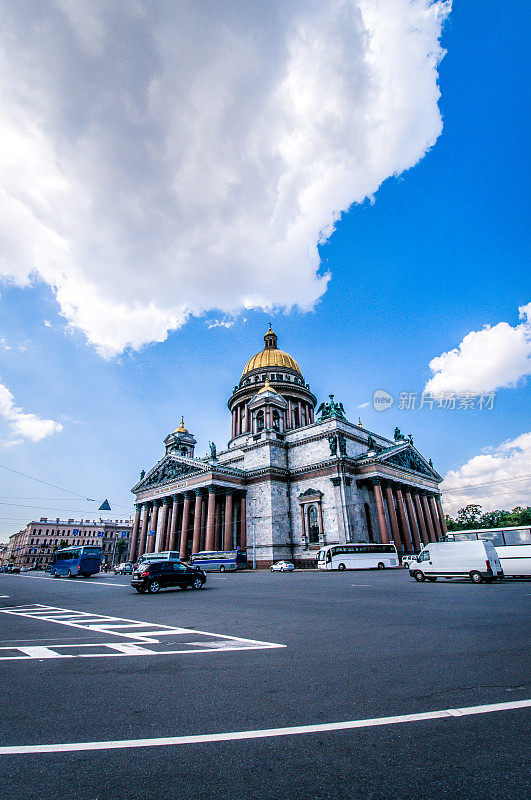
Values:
[(267, 387), (271, 356), (181, 428)]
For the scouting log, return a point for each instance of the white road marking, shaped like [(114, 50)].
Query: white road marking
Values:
[(139, 633), (266, 733), (41, 652), (115, 650), (4, 595), (82, 582)]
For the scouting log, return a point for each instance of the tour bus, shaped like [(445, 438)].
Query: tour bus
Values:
[(513, 546), (76, 561), (357, 555), (220, 560), (164, 555)]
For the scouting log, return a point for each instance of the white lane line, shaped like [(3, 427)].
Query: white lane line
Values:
[(82, 582), (131, 649), (4, 595), (41, 652), (266, 733)]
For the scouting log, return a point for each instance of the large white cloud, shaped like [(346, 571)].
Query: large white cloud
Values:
[(21, 424), (162, 159), (500, 478), (485, 360)]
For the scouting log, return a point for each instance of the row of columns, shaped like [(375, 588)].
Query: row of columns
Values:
[(415, 517), (298, 414), (207, 515)]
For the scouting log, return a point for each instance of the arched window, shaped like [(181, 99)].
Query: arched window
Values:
[(313, 524), (276, 419), (260, 421)]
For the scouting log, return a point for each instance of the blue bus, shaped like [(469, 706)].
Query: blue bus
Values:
[(75, 561), (220, 560)]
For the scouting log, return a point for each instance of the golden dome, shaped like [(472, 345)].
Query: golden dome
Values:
[(267, 387), (181, 428), (271, 358)]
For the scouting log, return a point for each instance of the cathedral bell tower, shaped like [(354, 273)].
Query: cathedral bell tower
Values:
[(180, 442)]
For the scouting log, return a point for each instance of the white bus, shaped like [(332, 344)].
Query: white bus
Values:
[(513, 546), (357, 555), (164, 555)]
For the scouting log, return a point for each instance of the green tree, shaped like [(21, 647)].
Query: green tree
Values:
[(494, 519), (451, 524), (520, 516), (469, 516)]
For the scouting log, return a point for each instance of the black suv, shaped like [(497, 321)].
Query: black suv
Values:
[(158, 575)]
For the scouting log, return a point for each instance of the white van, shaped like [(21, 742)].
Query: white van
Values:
[(476, 560)]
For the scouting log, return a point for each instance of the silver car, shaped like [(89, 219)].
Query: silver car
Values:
[(282, 566)]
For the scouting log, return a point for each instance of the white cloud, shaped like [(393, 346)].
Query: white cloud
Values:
[(47, 323), (489, 359), (158, 160), (220, 323), (22, 424), (502, 478)]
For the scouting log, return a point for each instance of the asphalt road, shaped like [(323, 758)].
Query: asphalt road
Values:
[(353, 646)]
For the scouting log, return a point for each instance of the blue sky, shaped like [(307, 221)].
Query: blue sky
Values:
[(441, 251)]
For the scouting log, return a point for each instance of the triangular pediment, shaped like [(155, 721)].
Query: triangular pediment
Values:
[(405, 456), (171, 468)]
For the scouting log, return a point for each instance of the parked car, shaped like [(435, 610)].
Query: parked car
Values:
[(408, 560), (476, 560), (159, 575), (282, 566), (13, 569), (26, 569), (125, 568)]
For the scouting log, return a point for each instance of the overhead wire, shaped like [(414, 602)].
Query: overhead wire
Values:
[(54, 486), (486, 484)]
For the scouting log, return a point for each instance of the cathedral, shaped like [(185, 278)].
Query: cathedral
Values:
[(292, 478)]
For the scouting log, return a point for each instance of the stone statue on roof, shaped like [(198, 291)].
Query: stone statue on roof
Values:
[(331, 410)]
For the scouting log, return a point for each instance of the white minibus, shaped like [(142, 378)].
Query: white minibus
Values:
[(357, 555), (513, 546)]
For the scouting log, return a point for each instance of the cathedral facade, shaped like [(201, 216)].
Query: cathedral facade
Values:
[(292, 479)]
